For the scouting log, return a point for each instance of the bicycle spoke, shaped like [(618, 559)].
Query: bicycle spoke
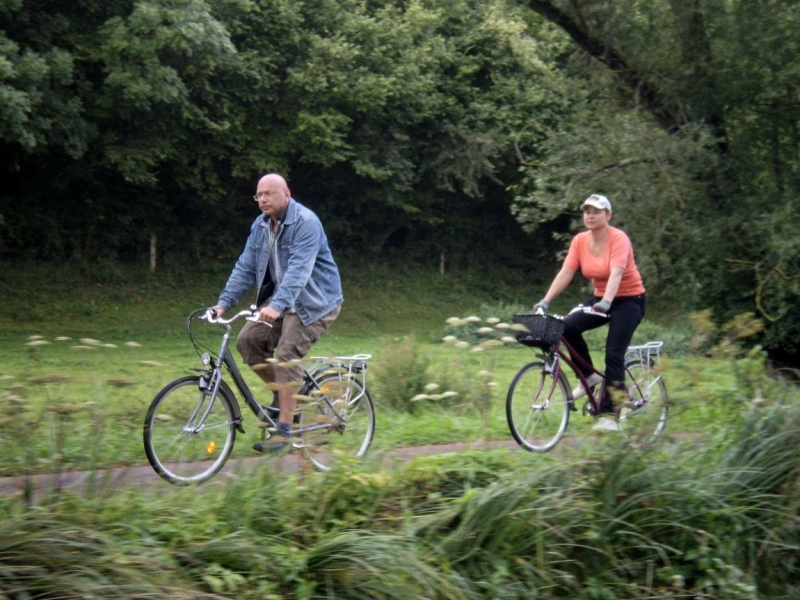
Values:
[(182, 453), (341, 423), (537, 408), (643, 415)]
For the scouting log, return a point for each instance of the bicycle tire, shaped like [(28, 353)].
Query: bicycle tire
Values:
[(350, 433), (537, 407), (643, 415), (177, 455)]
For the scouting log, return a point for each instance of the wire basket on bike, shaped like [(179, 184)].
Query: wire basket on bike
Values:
[(543, 332)]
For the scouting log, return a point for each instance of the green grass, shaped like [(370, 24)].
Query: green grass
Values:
[(712, 515), (707, 518), (110, 384)]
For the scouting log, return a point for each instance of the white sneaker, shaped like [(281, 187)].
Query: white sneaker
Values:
[(592, 380), (605, 425)]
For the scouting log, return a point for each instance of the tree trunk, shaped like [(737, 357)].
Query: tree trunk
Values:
[(153, 246)]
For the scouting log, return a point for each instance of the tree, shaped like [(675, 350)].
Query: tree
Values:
[(716, 79), (383, 113)]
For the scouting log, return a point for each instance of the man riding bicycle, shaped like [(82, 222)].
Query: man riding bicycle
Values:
[(288, 259)]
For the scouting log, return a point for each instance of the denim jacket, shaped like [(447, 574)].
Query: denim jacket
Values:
[(311, 284)]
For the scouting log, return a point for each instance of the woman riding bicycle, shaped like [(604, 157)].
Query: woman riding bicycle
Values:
[(604, 255)]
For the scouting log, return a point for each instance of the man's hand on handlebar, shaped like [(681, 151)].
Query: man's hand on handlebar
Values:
[(268, 314), (214, 315), (217, 312)]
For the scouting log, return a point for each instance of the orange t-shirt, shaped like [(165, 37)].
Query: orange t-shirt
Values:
[(618, 253)]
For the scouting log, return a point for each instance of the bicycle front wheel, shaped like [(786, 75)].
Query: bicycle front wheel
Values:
[(182, 446), (643, 416), (537, 407), (339, 422)]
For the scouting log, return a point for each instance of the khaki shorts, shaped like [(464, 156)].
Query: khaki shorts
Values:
[(286, 340)]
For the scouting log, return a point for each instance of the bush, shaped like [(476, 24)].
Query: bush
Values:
[(400, 374)]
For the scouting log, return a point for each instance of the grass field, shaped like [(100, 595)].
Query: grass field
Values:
[(711, 515), (84, 351)]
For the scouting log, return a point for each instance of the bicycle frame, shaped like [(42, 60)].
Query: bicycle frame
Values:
[(644, 352), (356, 366), (558, 353)]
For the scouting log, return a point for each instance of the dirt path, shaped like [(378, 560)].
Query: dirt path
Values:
[(108, 481)]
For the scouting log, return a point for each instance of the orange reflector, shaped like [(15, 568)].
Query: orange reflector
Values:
[(326, 389), (212, 445)]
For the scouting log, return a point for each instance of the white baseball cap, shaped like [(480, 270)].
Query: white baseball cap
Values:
[(597, 201)]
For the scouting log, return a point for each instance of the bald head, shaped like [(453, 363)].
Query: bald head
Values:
[(273, 179), (273, 195)]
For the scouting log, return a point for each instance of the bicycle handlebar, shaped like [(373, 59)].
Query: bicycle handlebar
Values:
[(580, 308), (249, 315)]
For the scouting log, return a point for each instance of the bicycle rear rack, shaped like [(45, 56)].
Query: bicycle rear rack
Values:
[(649, 353)]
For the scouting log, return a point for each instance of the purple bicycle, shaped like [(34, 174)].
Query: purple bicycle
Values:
[(540, 398)]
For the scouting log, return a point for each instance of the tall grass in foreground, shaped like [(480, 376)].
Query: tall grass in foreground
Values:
[(705, 517)]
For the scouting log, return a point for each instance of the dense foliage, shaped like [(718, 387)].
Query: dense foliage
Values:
[(419, 128), (132, 119), (692, 128)]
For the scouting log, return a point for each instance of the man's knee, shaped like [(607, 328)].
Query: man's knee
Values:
[(245, 345), (253, 344)]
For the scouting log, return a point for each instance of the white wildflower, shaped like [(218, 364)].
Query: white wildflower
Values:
[(133, 344), (462, 344), (503, 326), (432, 386), (37, 343), (492, 343), (449, 339), (492, 320), (485, 330), (473, 319)]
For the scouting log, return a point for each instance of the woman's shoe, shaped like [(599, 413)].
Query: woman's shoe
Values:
[(592, 380)]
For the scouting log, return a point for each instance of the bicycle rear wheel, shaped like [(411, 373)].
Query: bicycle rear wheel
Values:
[(180, 448), (340, 422), (644, 411), (537, 407)]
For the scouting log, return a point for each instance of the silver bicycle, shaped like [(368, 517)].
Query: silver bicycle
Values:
[(191, 425)]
